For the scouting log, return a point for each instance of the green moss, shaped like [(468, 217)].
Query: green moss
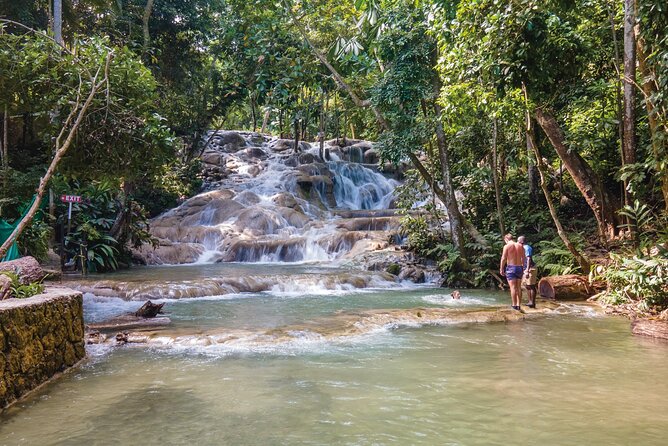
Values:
[(394, 269)]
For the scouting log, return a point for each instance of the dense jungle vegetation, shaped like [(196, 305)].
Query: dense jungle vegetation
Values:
[(545, 118)]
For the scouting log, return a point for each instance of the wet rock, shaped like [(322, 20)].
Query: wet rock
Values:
[(353, 154), (371, 157), (282, 145), (228, 141), (212, 158), (294, 217), (259, 221), (247, 198), (173, 254), (244, 250), (253, 153), (415, 275), (287, 200), (308, 158), (363, 145)]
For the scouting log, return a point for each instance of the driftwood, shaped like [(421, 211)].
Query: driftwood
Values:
[(129, 321), (149, 310), (26, 268), (647, 327), (568, 287)]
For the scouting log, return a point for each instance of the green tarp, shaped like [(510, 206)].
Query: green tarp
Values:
[(5, 231)]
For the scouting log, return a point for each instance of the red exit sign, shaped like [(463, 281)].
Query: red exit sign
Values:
[(70, 198)]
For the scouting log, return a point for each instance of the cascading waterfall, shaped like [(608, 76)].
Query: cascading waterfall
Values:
[(265, 203)]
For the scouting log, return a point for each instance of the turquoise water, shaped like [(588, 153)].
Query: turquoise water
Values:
[(575, 378)]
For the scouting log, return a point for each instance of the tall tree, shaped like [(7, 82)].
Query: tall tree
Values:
[(629, 119)]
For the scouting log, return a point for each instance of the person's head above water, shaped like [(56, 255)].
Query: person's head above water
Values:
[(520, 239), (508, 238)]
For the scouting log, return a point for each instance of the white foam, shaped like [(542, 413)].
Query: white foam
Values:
[(447, 300)]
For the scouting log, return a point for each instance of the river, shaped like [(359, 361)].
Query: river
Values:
[(573, 377)]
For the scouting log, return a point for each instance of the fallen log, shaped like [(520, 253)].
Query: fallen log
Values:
[(27, 268), (568, 287), (648, 327), (149, 310)]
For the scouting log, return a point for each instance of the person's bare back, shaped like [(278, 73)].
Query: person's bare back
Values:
[(514, 254)]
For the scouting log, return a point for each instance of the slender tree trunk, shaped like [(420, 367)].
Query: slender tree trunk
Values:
[(296, 149), (78, 112), (533, 175), (253, 112), (148, 9), (629, 146), (5, 147), (619, 103), (649, 91), (321, 127), (265, 121), (584, 263), (454, 214), (58, 21), (122, 217), (495, 177), (599, 200)]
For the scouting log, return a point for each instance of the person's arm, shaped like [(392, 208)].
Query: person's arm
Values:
[(503, 261), (524, 258)]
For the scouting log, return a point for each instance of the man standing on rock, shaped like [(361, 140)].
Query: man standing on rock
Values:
[(530, 274), (512, 266)]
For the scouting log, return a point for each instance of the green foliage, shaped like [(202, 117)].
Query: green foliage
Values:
[(19, 290), (552, 257), (174, 181), (34, 240), (642, 282)]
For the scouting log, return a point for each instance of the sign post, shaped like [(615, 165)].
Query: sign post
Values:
[(69, 199)]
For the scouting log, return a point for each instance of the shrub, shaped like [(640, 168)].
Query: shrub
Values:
[(19, 290)]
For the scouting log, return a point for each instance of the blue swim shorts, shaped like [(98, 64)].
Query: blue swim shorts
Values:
[(514, 272)]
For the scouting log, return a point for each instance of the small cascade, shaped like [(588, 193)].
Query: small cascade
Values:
[(265, 203)]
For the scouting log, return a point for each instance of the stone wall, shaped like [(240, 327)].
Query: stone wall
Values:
[(39, 337)]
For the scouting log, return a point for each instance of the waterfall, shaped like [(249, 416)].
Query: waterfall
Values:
[(265, 203)]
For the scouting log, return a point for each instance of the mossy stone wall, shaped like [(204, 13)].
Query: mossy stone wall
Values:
[(39, 337)]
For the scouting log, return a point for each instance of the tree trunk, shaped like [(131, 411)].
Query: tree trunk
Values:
[(584, 263), (321, 127), (599, 200), (5, 146), (569, 287), (265, 121), (121, 222), (649, 90), (495, 177), (147, 15), (253, 112), (58, 21), (619, 103), (79, 111), (629, 146), (296, 149)]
